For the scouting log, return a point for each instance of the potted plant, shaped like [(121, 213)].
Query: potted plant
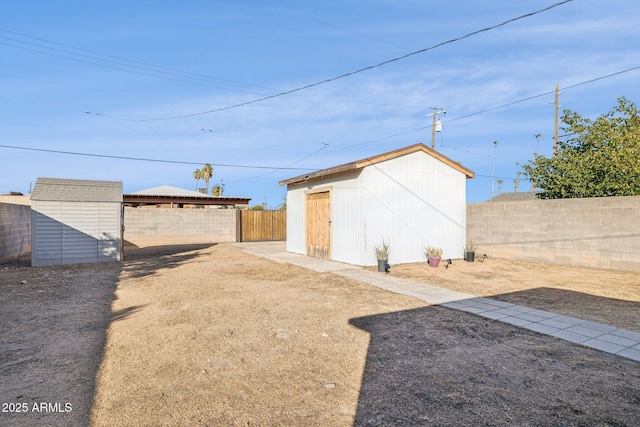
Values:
[(382, 254), (434, 255), (469, 252)]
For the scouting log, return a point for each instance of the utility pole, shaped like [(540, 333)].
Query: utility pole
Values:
[(555, 128), (493, 172), (436, 110)]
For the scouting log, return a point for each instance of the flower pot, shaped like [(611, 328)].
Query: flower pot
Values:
[(434, 261), (469, 256), (382, 265)]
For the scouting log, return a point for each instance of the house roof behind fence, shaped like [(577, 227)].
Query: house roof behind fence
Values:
[(167, 190), (165, 194), (515, 197), (359, 164), (77, 190)]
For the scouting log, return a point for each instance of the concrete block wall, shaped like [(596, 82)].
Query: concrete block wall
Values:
[(601, 232), (15, 233), (152, 227)]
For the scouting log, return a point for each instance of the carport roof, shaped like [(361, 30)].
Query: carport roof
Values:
[(359, 164), (168, 194)]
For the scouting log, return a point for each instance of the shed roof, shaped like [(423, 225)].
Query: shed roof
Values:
[(359, 164), (77, 190)]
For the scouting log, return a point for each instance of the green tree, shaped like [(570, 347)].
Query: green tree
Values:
[(217, 190), (601, 159)]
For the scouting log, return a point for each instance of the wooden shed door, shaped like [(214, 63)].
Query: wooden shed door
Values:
[(318, 225)]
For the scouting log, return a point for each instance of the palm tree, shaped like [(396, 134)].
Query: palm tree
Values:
[(516, 181), (500, 181), (197, 175), (207, 173)]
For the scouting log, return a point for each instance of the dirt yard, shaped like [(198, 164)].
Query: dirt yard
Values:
[(610, 297), (212, 336)]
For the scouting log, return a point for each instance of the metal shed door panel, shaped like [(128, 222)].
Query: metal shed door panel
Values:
[(318, 225)]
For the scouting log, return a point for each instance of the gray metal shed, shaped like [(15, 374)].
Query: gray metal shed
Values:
[(75, 221)]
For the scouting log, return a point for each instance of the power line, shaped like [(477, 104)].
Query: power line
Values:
[(146, 71), (341, 76), (324, 145), (142, 159), (98, 114), (542, 94), (490, 109), (338, 149), (130, 63)]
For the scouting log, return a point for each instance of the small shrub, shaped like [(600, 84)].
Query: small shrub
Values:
[(432, 251), (382, 251)]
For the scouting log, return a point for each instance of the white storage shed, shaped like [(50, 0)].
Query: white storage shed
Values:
[(411, 197), (75, 221)]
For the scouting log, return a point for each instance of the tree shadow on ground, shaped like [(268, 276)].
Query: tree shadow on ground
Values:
[(126, 312), (142, 262), (435, 366)]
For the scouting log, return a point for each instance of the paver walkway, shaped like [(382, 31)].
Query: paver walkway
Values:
[(602, 337)]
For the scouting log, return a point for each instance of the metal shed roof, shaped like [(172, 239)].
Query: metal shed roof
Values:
[(77, 190), (359, 164)]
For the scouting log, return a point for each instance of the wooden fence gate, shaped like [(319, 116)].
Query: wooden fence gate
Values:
[(256, 226)]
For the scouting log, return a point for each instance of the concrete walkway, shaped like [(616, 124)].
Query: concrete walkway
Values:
[(602, 337)]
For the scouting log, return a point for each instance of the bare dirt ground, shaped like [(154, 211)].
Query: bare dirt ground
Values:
[(53, 324), (610, 297), (210, 335)]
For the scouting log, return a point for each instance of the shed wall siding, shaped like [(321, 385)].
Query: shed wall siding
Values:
[(296, 220), (75, 232), (110, 233), (348, 222), (413, 201), (46, 232)]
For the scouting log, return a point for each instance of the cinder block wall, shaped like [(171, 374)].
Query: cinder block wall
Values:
[(151, 227), (15, 232), (601, 232)]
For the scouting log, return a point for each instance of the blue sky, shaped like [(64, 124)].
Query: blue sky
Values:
[(114, 79)]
